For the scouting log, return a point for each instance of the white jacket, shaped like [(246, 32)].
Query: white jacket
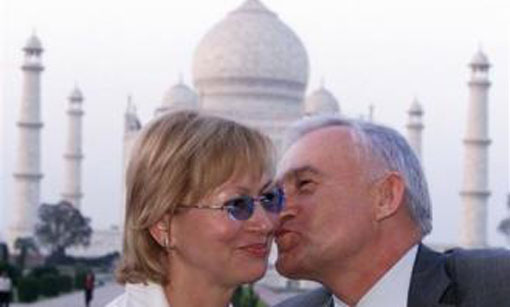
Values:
[(141, 295)]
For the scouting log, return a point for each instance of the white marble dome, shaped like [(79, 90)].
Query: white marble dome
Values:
[(179, 97), (321, 101), (250, 46)]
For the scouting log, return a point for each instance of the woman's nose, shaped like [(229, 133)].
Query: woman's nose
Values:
[(262, 220)]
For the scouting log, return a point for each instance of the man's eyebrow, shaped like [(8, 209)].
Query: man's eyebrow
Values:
[(294, 173)]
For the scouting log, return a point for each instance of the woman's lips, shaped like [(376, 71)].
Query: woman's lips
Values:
[(286, 240), (258, 250)]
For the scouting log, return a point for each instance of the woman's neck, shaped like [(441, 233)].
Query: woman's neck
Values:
[(190, 290)]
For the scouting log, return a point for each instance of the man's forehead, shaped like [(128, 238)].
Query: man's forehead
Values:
[(295, 172), (327, 137), (317, 147)]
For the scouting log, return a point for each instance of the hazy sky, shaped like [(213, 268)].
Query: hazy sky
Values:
[(368, 52)]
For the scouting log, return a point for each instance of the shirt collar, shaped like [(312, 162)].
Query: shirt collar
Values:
[(392, 288), (149, 294)]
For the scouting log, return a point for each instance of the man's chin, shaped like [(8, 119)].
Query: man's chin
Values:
[(287, 266)]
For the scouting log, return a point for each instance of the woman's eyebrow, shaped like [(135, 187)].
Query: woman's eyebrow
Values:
[(266, 185)]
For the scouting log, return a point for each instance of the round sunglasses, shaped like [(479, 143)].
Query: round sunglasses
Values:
[(241, 208)]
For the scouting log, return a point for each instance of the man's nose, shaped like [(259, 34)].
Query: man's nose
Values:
[(289, 209)]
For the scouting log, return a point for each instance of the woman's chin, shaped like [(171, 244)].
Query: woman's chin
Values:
[(253, 273)]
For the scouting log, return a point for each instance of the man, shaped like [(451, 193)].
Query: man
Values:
[(357, 210)]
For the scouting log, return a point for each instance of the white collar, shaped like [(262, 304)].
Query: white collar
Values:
[(392, 288), (150, 294), (141, 295)]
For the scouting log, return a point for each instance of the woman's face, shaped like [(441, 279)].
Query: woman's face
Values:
[(212, 245)]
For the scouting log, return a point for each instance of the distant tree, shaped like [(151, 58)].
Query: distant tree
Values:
[(504, 228), (25, 245), (61, 226), (504, 225), (4, 252)]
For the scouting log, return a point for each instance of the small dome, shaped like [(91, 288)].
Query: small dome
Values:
[(180, 96), (250, 45), (416, 108), (479, 59), (76, 95), (321, 101), (33, 44)]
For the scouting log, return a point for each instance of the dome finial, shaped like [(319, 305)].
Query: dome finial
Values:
[(180, 78), (252, 6), (129, 106), (322, 83), (371, 112)]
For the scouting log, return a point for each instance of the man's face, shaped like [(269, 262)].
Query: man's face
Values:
[(328, 217)]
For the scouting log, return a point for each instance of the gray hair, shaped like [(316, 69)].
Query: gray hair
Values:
[(389, 148)]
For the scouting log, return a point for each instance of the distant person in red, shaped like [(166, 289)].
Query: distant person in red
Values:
[(89, 288)]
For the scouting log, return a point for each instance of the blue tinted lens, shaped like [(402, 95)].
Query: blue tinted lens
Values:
[(272, 200), (240, 209)]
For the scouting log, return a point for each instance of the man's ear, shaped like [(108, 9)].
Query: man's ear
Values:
[(389, 195), (160, 231)]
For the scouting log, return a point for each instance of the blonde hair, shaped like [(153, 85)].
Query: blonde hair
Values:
[(179, 158)]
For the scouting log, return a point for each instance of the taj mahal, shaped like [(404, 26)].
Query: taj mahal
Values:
[(248, 63)]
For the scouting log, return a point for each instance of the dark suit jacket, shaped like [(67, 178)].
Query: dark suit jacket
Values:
[(464, 278)]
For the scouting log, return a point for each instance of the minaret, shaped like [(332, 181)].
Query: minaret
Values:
[(132, 127), (74, 155), (28, 173), (475, 191), (415, 126)]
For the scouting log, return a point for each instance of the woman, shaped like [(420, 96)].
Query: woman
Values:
[(200, 212)]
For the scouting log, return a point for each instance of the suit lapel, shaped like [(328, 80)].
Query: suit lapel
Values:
[(430, 284), (324, 298)]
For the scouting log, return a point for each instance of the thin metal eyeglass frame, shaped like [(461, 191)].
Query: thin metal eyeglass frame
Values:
[(224, 206)]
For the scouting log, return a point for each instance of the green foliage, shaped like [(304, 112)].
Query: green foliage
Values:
[(49, 285), (43, 281), (245, 296), (25, 245), (79, 278), (4, 252), (44, 270), (504, 225), (65, 283), (28, 289), (61, 226)]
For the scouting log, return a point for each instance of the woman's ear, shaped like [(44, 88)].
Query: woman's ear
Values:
[(160, 231), (390, 195)]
